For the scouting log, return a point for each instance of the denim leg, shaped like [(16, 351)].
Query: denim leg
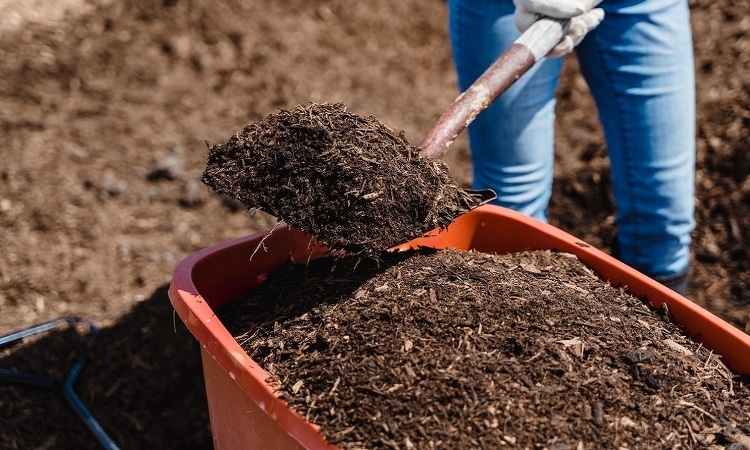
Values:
[(512, 141), (639, 66)]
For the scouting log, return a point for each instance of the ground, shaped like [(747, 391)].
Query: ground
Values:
[(106, 108)]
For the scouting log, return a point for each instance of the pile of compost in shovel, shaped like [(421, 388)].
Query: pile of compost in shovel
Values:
[(348, 180), (448, 349)]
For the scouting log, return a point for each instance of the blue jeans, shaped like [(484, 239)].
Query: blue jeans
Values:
[(638, 64)]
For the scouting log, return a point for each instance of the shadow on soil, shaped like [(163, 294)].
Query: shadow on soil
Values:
[(142, 381)]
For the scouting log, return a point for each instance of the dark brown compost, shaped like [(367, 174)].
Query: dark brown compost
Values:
[(463, 350), (348, 180)]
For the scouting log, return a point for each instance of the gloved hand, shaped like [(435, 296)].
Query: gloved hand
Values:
[(582, 14)]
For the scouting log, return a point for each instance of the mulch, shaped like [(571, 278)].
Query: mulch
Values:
[(450, 349), (348, 180)]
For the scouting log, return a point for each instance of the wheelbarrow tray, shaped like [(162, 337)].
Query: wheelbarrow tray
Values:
[(244, 408)]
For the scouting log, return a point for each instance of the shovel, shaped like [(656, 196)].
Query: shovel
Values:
[(538, 40), (350, 181)]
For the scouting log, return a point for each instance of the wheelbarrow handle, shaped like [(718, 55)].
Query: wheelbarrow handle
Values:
[(538, 40)]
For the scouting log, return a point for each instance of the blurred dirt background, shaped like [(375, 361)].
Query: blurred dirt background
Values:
[(105, 108)]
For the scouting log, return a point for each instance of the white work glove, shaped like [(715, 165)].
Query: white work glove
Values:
[(582, 14)]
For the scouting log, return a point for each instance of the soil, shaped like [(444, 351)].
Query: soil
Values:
[(106, 107), (449, 349)]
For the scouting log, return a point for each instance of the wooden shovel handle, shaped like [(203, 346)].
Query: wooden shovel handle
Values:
[(525, 51)]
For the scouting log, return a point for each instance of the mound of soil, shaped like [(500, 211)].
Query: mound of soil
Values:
[(448, 349), (348, 180)]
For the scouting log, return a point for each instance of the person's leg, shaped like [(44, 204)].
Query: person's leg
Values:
[(639, 66), (512, 141)]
